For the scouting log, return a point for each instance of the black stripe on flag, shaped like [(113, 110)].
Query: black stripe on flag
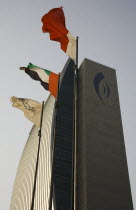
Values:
[(35, 76)]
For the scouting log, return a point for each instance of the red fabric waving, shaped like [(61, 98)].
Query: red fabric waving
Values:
[(53, 84), (54, 23)]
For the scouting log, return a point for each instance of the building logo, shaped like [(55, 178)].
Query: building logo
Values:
[(101, 86)]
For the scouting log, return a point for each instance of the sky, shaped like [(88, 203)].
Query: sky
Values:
[(107, 35)]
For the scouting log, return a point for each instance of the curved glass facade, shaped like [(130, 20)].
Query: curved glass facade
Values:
[(23, 186)]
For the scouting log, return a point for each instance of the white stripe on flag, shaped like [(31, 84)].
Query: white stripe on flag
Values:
[(71, 47), (42, 74)]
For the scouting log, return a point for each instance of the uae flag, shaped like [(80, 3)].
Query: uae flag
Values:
[(48, 79), (54, 23)]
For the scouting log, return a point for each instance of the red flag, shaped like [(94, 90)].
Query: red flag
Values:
[(54, 23)]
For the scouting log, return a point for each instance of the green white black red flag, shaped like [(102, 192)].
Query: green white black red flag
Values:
[(48, 79)]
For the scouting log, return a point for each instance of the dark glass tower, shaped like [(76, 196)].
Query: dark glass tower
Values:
[(64, 139)]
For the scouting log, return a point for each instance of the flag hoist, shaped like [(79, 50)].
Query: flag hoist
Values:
[(54, 24), (50, 81), (33, 110)]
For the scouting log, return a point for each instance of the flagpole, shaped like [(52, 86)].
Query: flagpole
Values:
[(53, 150), (73, 206), (37, 160)]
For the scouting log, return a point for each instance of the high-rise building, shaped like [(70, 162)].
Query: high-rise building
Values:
[(102, 180), (102, 172), (63, 171)]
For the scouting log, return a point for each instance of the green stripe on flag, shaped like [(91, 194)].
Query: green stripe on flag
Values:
[(30, 65), (47, 71)]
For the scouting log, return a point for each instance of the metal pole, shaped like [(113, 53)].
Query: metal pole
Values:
[(53, 150), (37, 160), (73, 191), (75, 123)]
